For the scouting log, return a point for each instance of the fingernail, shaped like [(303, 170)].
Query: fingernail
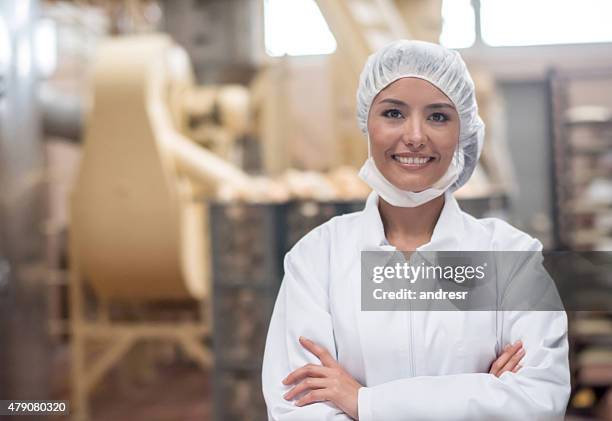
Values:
[(285, 395), (522, 351), (284, 380)]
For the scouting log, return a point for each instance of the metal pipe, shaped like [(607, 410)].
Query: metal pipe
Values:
[(24, 363)]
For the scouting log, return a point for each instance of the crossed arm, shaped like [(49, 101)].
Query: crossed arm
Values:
[(329, 381)]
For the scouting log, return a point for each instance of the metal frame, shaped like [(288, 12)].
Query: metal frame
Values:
[(120, 337)]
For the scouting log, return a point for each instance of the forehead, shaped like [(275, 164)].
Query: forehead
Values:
[(412, 90)]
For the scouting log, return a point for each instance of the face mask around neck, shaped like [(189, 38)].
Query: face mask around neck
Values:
[(407, 199)]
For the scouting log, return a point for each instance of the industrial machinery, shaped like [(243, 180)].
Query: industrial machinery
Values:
[(138, 233), (22, 188)]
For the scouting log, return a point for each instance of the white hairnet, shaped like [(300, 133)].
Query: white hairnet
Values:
[(443, 68)]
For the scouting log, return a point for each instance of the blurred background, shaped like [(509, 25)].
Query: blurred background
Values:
[(158, 158)]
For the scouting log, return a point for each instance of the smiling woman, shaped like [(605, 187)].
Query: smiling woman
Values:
[(416, 104), (414, 131), (416, 101)]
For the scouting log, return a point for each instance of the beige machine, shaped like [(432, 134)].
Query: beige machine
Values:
[(138, 233), (138, 230)]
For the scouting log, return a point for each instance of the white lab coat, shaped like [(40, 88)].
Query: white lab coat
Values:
[(413, 364)]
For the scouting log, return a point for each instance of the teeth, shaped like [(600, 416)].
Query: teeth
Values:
[(411, 160)]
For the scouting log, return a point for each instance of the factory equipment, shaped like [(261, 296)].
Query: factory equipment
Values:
[(138, 234), (132, 195), (581, 117), (362, 27), (582, 137), (22, 307)]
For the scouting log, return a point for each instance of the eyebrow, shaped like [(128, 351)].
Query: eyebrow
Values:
[(402, 103)]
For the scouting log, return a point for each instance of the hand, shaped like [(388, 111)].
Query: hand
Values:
[(329, 382), (509, 359)]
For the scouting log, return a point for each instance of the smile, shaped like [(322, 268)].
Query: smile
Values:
[(412, 162)]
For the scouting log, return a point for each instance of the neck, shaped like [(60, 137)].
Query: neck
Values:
[(410, 226)]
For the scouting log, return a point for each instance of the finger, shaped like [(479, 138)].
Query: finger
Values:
[(517, 368), (318, 395), (309, 383), (513, 361), (322, 354), (508, 351), (500, 362), (309, 370)]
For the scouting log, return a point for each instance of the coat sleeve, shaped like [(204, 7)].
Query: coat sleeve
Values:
[(539, 391), (301, 309)]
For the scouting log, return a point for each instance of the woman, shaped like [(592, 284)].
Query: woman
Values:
[(325, 359)]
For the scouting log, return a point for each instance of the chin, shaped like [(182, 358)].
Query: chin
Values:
[(413, 184), (412, 187)]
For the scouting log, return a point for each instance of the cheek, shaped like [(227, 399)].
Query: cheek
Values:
[(446, 142), (449, 147), (382, 137)]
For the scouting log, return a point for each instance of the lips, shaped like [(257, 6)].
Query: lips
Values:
[(412, 161)]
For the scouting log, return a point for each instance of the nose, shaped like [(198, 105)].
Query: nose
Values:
[(413, 135)]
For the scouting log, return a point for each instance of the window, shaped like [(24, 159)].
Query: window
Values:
[(296, 27), (528, 22), (458, 24)]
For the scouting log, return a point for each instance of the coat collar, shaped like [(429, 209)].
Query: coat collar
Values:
[(447, 235)]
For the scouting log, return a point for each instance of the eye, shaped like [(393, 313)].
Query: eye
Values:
[(393, 113), (439, 117)]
